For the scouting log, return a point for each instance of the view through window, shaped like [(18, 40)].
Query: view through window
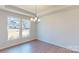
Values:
[(25, 28), (14, 26)]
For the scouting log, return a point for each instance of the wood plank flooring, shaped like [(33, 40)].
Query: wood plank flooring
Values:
[(36, 46)]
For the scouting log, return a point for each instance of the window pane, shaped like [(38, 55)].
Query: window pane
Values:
[(13, 27), (26, 28)]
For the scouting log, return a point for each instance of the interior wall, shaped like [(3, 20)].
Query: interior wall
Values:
[(4, 42), (61, 28)]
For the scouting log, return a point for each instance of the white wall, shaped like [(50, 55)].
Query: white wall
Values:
[(4, 42), (61, 29)]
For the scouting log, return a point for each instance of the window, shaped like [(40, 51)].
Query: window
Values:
[(25, 28), (13, 27), (16, 30)]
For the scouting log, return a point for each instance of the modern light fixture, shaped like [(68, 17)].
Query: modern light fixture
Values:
[(35, 18)]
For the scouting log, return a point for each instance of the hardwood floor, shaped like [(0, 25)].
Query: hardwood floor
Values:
[(36, 46)]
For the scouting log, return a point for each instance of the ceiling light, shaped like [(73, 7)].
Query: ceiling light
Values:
[(35, 18)]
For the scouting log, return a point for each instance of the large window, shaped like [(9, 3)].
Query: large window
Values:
[(13, 27), (25, 28), (16, 30)]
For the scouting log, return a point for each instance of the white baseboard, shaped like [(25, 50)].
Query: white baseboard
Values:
[(70, 47), (73, 48), (13, 43)]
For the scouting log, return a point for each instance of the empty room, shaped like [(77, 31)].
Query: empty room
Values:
[(39, 28)]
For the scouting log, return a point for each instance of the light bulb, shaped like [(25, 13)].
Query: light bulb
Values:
[(35, 18), (31, 19), (38, 20)]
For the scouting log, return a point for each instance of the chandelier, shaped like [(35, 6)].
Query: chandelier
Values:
[(35, 18)]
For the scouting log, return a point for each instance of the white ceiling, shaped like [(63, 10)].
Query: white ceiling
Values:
[(29, 10), (42, 9)]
